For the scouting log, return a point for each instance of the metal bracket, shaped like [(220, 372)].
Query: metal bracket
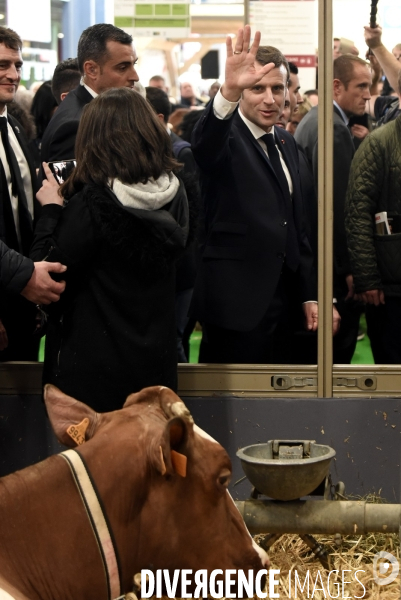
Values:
[(366, 382), (285, 382)]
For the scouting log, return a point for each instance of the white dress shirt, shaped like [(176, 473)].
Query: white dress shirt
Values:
[(25, 174), (223, 109)]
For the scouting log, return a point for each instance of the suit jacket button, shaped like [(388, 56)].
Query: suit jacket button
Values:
[(283, 223), (280, 255)]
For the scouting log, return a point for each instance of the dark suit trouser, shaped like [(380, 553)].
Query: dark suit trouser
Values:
[(384, 331), (18, 317), (344, 342), (268, 343)]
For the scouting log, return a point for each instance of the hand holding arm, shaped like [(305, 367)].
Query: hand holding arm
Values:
[(41, 288), (241, 71)]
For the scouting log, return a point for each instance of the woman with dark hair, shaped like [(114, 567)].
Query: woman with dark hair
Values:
[(125, 222), (43, 107)]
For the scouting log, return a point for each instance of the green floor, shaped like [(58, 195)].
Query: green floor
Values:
[(363, 353), (362, 356)]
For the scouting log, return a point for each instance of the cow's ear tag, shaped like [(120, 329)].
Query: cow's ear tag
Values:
[(77, 432), (179, 462)]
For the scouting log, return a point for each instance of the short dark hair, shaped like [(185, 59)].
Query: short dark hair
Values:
[(343, 67), (42, 108), (311, 93), (92, 44), (157, 78), (268, 54), (293, 68), (158, 99), (119, 137), (66, 77), (10, 38)]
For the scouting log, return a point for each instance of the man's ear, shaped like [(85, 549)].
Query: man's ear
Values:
[(91, 69), (338, 87)]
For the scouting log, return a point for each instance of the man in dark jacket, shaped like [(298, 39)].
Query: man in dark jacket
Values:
[(106, 59), (257, 261), (20, 275), (17, 203), (373, 226), (351, 85)]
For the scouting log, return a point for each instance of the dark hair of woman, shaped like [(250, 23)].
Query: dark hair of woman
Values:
[(119, 137), (43, 106)]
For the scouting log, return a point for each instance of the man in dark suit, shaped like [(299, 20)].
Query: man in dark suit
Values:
[(17, 198), (257, 263), (351, 91), (106, 59)]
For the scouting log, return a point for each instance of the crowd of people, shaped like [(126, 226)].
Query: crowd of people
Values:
[(134, 216)]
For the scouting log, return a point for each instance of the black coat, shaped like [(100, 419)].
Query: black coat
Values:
[(58, 142), (15, 269), (113, 331), (16, 313), (344, 150), (245, 223)]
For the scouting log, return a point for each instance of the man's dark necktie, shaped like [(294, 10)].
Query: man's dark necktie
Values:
[(17, 188), (292, 248)]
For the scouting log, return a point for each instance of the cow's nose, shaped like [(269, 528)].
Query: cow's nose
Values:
[(262, 555)]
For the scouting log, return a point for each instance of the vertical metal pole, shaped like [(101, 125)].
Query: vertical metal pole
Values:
[(246, 12), (325, 200)]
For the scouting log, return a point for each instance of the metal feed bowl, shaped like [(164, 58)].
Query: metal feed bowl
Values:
[(286, 469)]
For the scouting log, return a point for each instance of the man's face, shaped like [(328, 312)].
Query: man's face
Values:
[(353, 99), (118, 70), (396, 52), (336, 49), (158, 83), (10, 74), (293, 123), (187, 91), (263, 103), (295, 96), (285, 113)]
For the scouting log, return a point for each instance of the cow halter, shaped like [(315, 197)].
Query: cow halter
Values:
[(98, 521)]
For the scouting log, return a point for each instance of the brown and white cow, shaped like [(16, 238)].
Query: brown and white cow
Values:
[(162, 484)]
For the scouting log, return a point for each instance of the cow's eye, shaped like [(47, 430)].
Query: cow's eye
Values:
[(224, 478)]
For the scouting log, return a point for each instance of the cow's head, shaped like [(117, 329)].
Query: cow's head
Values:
[(163, 481)]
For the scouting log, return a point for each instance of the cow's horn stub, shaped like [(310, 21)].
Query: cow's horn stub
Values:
[(176, 408)]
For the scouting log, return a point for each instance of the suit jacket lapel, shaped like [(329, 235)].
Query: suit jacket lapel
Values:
[(283, 147)]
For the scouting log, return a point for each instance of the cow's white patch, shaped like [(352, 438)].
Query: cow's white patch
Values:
[(203, 434)]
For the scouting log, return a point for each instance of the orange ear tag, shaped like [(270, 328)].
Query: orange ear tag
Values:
[(179, 462), (77, 432)]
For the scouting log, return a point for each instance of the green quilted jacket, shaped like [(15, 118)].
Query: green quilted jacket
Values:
[(375, 186)]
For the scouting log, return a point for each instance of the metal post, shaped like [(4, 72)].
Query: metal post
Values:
[(319, 517), (325, 200)]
